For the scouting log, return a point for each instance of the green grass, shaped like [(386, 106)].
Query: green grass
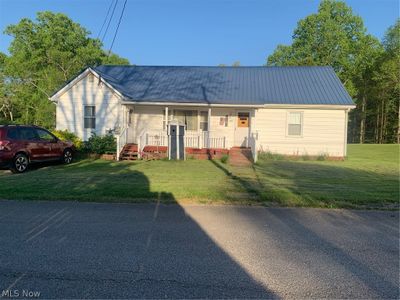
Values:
[(368, 178)]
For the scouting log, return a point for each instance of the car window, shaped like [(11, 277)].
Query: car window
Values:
[(12, 133), (26, 133), (44, 135)]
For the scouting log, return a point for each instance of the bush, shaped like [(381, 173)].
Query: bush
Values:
[(66, 135), (224, 159), (101, 144), (267, 155), (322, 156)]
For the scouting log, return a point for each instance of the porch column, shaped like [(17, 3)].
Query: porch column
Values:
[(166, 117), (209, 127)]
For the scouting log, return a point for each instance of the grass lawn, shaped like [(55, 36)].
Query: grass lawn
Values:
[(368, 178)]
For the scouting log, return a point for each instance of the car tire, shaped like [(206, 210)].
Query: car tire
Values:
[(20, 163), (67, 156)]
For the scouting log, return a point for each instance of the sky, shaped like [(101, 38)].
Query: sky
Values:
[(195, 32)]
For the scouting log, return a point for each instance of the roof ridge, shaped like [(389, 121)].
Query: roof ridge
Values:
[(222, 67)]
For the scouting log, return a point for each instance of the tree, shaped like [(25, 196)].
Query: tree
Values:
[(387, 87), (44, 54), (335, 36), (6, 105)]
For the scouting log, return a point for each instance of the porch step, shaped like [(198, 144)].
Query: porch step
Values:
[(240, 157), (129, 152)]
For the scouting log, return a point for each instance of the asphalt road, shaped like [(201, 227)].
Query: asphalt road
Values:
[(88, 250)]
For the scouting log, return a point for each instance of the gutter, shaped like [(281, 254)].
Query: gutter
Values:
[(273, 106)]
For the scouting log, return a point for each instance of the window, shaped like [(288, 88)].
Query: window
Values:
[(187, 117), (45, 135), (243, 119), (295, 123), (28, 134), (204, 121), (90, 117), (13, 133)]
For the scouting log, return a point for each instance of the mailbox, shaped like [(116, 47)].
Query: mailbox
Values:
[(176, 141)]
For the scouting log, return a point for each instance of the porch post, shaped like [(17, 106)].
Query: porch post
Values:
[(209, 126), (166, 117)]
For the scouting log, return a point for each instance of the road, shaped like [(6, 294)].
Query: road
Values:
[(93, 250)]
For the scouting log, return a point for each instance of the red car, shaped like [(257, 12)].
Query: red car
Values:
[(21, 145)]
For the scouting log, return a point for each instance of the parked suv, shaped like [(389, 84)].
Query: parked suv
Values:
[(21, 145)]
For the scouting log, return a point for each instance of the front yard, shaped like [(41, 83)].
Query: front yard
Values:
[(368, 178)]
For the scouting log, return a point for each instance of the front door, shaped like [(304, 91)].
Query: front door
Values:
[(242, 129)]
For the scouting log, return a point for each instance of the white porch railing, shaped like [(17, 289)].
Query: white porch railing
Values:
[(205, 139), (122, 139)]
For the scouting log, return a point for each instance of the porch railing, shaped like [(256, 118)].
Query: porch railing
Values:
[(205, 139), (122, 139)]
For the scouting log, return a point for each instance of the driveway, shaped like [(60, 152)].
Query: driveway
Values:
[(89, 250)]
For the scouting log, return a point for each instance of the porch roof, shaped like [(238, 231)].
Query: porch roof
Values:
[(303, 85)]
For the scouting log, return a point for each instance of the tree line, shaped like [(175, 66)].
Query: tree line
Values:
[(48, 51), (369, 68)]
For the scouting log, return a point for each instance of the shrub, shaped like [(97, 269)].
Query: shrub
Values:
[(224, 159), (66, 135), (267, 155), (322, 156), (101, 144)]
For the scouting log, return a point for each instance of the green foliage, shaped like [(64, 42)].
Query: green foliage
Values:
[(101, 144), (267, 155), (322, 156), (65, 135), (44, 54), (369, 69), (224, 159)]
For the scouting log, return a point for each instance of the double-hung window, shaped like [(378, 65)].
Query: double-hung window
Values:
[(204, 120), (187, 117), (90, 117), (295, 123)]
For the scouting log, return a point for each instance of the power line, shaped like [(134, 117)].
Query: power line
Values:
[(105, 19), (116, 30), (109, 21)]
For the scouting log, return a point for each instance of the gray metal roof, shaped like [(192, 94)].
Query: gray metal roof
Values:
[(227, 85)]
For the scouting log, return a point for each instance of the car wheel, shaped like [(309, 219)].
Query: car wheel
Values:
[(67, 156), (20, 163)]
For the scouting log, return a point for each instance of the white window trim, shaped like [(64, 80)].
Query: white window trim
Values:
[(199, 110), (95, 118), (301, 122)]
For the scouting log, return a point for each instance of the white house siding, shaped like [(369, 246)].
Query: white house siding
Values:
[(145, 119), (70, 108), (220, 129), (323, 132)]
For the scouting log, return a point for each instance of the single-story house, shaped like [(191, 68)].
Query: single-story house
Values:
[(287, 110)]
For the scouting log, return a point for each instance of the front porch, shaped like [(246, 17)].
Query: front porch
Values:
[(209, 131)]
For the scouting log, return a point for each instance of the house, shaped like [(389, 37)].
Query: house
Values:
[(287, 110)]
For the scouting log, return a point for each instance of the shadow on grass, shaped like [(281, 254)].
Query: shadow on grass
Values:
[(176, 258), (315, 184)]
